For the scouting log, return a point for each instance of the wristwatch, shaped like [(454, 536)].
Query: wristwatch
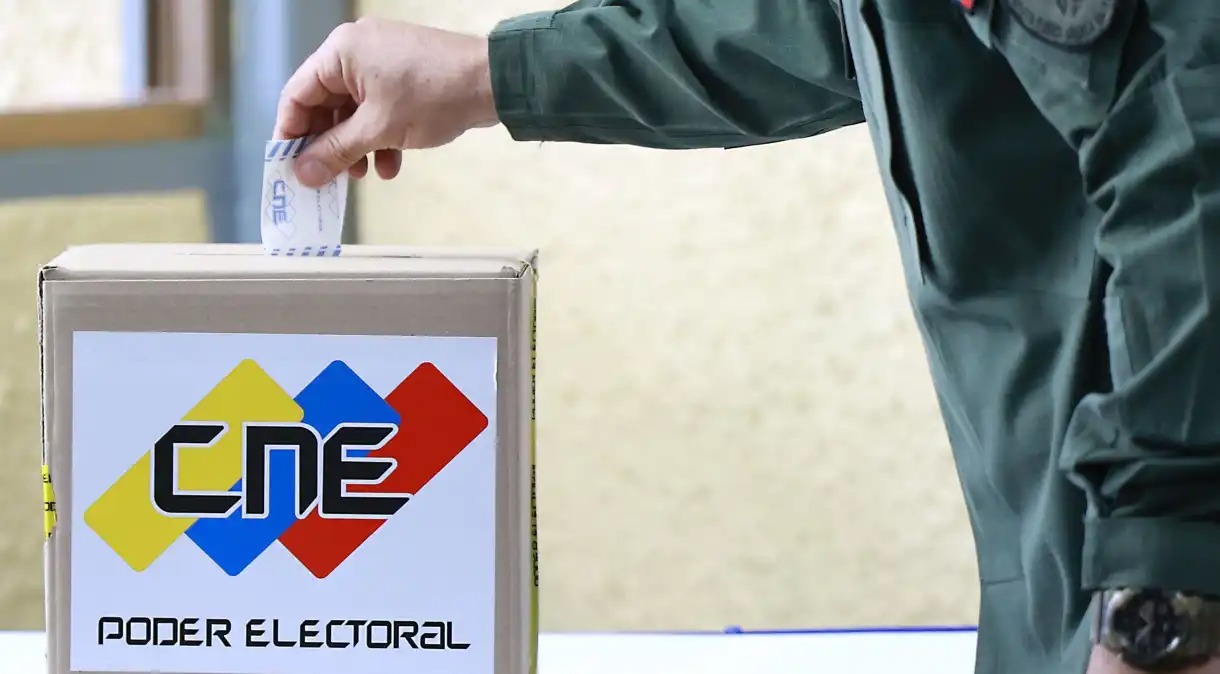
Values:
[(1157, 630)]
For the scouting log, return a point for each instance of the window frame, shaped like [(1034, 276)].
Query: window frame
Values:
[(173, 51), (198, 122)]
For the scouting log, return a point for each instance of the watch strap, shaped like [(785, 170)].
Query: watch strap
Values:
[(1201, 615)]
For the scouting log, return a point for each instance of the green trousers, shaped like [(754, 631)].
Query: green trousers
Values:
[(1052, 170)]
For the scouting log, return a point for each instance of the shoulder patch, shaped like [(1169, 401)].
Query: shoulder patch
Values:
[(1070, 23)]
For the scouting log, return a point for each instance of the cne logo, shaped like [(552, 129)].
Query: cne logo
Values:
[(318, 473), (279, 202)]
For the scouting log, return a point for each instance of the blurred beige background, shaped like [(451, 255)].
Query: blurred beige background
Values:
[(736, 421)]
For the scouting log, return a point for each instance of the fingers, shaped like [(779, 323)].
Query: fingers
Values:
[(318, 100), (343, 113), (360, 168), (339, 148), (318, 82), (301, 94), (321, 120), (388, 163)]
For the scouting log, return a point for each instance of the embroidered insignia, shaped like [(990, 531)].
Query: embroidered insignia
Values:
[(1070, 23)]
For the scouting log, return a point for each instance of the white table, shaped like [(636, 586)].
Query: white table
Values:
[(933, 651)]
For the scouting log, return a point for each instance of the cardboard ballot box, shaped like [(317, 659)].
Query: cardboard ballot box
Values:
[(259, 465)]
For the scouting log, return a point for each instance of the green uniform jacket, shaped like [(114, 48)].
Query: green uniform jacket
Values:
[(1055, 189)]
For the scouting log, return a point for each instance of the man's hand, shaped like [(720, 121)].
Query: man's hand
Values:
[(1105, 662), (379, 87)]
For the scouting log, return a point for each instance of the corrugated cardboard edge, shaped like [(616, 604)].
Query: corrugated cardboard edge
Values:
[(527, 562), (48, 490), (527, 292), (50, 512), (156, 261), (532, 270)]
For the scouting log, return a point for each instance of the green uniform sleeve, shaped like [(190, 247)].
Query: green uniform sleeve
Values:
[(1147, 452), (674, 74)]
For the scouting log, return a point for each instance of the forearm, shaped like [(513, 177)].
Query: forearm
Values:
[(675, 75)]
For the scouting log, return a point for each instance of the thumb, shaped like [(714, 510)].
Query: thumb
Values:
[(338, 149)]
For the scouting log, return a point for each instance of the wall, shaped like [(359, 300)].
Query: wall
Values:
[(54, 53), (736, 422), (59, 53)]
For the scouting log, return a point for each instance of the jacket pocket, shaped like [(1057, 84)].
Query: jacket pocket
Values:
[(1073, 85)]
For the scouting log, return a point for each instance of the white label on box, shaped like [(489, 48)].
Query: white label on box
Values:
[(282, 503), (299, 220)]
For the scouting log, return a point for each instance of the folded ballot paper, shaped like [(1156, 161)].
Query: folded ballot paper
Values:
[(298, 220)]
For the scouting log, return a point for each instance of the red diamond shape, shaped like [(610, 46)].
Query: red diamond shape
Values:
[(437, 423)]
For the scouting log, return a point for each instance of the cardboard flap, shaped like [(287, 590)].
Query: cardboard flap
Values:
[(241, 261)]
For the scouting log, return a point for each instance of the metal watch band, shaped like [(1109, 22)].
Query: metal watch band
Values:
[(1203, 615)]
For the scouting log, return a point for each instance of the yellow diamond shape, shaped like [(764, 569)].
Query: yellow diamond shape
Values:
[(124, 516)]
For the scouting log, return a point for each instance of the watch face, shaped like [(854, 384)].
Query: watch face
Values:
[(1150, 627)]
